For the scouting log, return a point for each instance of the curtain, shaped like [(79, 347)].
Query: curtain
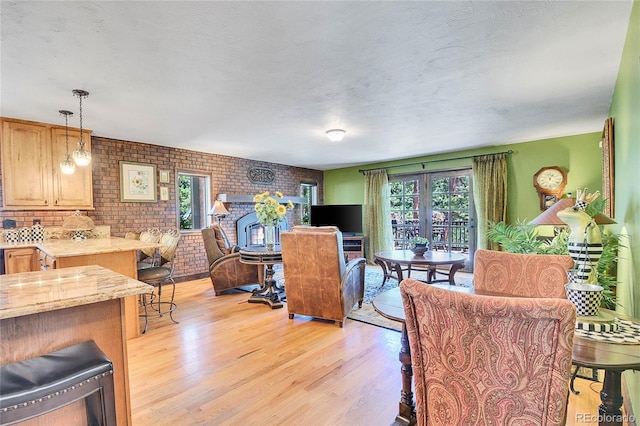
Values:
[(377, 213), (490, 194)]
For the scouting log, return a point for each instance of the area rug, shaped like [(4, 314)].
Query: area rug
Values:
[(373, 286)]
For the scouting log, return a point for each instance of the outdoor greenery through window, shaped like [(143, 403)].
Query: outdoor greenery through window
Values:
[(194, 200), (434, 205), (405, 215), (308, 191)]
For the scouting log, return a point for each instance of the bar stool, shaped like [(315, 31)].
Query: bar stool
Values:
[(157, 276), (39, 385)]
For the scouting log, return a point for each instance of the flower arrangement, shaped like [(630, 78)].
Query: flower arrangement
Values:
[(269, 209)]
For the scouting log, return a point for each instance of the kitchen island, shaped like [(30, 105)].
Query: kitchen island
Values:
[(41, 312), (114, 253)]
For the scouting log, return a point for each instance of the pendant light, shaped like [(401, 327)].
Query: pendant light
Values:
[(67, 166), (81, 156)]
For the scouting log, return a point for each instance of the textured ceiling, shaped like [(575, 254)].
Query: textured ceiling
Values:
[(264, 80)]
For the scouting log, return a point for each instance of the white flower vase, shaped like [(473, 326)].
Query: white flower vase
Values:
[(269, 236)]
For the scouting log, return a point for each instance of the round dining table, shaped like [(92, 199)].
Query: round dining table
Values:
[(394, 262)]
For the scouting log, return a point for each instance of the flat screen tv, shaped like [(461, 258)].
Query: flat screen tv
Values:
[(347, 217)]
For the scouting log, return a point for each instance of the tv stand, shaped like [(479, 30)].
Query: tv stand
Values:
[(353, 246)]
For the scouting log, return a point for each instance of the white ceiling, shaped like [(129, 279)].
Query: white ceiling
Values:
[(264, 80)]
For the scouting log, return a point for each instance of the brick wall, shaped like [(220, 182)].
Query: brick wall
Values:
[(228, 176)]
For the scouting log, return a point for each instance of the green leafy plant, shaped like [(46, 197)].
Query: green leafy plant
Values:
[(523, 238), (420, 240)]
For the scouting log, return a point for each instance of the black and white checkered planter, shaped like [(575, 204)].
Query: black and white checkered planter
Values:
[(586, 298)]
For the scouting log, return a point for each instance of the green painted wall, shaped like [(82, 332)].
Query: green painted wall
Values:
[(579, 155), (625, 110)]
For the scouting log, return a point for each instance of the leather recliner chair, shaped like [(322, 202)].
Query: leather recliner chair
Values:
[(318, 281), (225, 268)]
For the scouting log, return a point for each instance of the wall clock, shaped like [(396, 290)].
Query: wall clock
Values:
[(549, 183)]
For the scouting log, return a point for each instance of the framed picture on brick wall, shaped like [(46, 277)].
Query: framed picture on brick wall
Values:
[(164, 176), (137, 182)]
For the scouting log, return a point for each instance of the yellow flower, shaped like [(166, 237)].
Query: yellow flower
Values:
[(269, 209)]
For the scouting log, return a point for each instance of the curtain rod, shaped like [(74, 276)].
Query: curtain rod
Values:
[(422, 163)]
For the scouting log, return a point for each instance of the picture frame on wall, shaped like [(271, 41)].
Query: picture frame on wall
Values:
[(137, 182), (164, 176), (608, 168), (164, 193)]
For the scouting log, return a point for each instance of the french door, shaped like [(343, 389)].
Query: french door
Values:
[(435, 205)]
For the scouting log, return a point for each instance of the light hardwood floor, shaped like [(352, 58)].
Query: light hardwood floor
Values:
[(229, 362)]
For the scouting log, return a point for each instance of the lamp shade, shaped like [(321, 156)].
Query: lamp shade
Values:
[(550, 216), (335, 135), (218, 209)]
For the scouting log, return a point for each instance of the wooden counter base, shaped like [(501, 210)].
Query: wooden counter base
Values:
[(122, 262)]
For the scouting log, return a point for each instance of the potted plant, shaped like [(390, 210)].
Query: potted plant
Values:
[(420, 245), (523, 238)]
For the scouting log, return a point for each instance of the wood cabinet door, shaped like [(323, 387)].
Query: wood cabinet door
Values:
[(75, 190), (19, 260), (25, 165)]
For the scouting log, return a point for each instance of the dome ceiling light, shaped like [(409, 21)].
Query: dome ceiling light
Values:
[(335, 135)]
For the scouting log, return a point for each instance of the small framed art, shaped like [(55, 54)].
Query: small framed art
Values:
[(164, 193), (137, 182), (164, 176)]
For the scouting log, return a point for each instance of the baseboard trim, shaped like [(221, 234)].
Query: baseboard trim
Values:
[(191, 277)]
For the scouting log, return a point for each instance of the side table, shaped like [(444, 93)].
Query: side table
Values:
[(267, 294)]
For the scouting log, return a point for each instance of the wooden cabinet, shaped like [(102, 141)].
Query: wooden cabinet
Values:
[(31, 176), (353, 246), (20, 260)]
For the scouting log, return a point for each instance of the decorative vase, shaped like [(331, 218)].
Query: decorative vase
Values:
[(420, 248), (586, 298), (269, 236)]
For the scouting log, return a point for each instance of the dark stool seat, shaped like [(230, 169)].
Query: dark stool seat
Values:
[(39, 385)]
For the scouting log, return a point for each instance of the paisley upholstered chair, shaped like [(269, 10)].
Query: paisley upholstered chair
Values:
[(523, 275), (488, 359), (318, 281)]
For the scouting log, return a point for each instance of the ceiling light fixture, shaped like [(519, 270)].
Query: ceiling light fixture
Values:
[(335, 135), (67, 166), (81, 156)]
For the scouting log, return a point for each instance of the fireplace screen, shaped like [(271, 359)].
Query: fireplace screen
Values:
[(251, 232)]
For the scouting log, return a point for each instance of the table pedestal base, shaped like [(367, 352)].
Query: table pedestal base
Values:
[(268, 293), (609, 412)]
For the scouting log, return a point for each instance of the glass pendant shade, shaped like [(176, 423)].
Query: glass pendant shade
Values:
[(81, 156), (67, 166)]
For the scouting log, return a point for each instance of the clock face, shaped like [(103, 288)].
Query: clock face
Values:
[(550, 179)]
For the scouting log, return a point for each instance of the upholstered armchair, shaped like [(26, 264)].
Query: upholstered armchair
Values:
[(225, 268), (488, 359), (318, 281), (523, 275)]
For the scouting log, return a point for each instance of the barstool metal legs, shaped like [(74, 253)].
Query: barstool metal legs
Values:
[(156, 305)]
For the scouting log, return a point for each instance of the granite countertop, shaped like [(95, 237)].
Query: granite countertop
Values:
[(66, 248), (29, 293)]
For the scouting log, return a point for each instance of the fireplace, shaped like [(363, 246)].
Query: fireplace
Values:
[(251, 232)]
